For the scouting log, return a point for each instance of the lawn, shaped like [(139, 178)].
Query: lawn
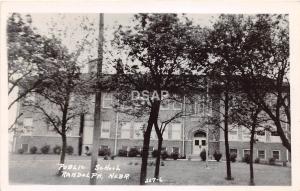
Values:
[(41, 169)]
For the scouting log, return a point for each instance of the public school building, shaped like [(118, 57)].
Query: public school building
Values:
[(186, 135)]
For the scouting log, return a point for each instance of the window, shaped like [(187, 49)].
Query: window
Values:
[(261, 154), (25, 147), (246, 152), (175, 149), (105, 129), (176, 131), (246, 133), (138, 130), (27, 125), (276, 155), (150, 148), (165, 105), (164, 149), (166, 133), (274, 133), (107, 100), (196, 142), (233, 132), (261, 136), (203, 106), (203, 142), (177, 105), (233, 151), (125, 130)]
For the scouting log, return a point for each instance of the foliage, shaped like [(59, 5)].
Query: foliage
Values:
[(104, 152), (33, 150), (203, 155), (122, 153), (272, 161), (21, 151), (45, 149), (69, 150), (233, 157), (175, 155), (154, 153), (164, 155), (217, 156), (257, 160), (133, 152), (56, 149), (246, 158)]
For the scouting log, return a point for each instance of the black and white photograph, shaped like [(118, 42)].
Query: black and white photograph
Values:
[(145, 98)]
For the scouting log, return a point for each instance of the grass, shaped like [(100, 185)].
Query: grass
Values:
[(41, 169)]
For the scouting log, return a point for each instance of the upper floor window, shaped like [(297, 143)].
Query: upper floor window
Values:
[(27, 125), (105, 129), (165, 105), (125, 130), (176, 131), (107, 100), (177, 105), (138, 130)]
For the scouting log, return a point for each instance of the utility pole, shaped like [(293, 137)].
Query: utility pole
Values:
[(97, 112)]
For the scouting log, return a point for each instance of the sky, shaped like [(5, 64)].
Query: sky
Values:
[(70, 27)]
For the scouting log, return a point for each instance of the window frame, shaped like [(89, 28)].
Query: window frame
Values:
[(172, 131), (104, 98), (264, 154), (122, 129), (279, 154), (102, 125)]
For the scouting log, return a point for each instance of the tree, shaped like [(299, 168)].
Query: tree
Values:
[(156, 61), (222, 44), (55, 98), (265, 70), (250, 116), (25, 57)]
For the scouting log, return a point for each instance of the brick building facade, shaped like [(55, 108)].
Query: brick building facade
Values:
[(186, 135)]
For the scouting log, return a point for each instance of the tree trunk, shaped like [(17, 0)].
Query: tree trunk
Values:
[(227, 152), (80, 140), (62, 153), (152, 119), (157, 164), (251, 158), (285, 142)]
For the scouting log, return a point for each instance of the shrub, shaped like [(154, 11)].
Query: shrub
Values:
[(272, 161), (203, 155), (45, 149), (105, 157), (69, 150), (21, 151), (182, 156), (217, 156), (113, 157), (164, 155), (33, 150), (154, 153), (257, 160), (175, 155), (122, 153), (104, 152), (233, 157), (133, 152), (57, 149), (246, 158)]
